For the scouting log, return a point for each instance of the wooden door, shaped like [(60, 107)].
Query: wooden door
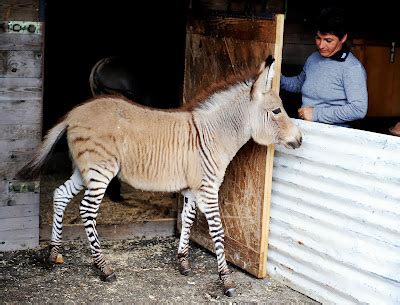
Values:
[(382, 63), (215, 48), (21, 43)]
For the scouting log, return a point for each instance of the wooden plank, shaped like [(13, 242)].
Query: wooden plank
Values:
[(21, 64), (20, 111), (25, 210), (149, 229), (239, 8), (256, 30), (9, 169), (14, 154), (24, 42), (19, 239), (278, 47), (18, 131), (20, 89), (18, 142), (19, 10), (269, 162), (17, 150), (19, 198), (19, 234), (20, 122), (265, 212), (217, 59), (19, 223)]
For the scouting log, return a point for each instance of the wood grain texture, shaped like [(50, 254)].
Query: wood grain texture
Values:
[(21, 85), (20, 130), (233, 28), (19, 223), (24, 112), (25, 210), (21, 64), (17, 42), (27, 10), (215, 49), (20, 121), (19, 239), (20, 89), (149, 229)]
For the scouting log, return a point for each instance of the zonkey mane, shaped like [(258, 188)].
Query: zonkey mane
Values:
[(200, 98)]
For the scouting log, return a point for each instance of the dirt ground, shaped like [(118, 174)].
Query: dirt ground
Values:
[(146, 268), (147, 272)]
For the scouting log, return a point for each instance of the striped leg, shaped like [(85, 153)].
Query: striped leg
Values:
[(210, 208), (98, 181), (188, 217), (62, 196)]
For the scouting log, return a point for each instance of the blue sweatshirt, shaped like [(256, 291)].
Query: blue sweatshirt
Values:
[(337, 90)]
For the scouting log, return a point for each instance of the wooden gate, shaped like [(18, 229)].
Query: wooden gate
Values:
[(215, 48), (21, 44)]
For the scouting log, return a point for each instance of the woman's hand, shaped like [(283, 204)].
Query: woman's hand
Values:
[(306, 113)]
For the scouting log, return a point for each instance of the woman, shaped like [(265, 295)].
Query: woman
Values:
[(333, 82)]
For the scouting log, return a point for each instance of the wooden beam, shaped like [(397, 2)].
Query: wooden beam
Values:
[(269, 162), (151, 228)]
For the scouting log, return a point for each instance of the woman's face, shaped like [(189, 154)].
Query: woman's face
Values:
[(328, 44)]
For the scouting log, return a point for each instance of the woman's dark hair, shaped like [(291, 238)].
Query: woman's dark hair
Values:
[(331, 20)]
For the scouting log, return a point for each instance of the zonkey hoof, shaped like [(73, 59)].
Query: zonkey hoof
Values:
[(110, 278), (228, 283), (230, 292), (59, 259), (106, 273), (48, 258), (184, 268)]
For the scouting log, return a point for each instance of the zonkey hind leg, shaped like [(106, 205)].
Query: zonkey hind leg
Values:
[(188, 217), (208, 204), (62, 196), (88, 208)]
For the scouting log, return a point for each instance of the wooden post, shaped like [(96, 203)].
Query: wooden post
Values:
[(269, 162)]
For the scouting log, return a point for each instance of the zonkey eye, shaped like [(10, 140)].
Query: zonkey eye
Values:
[(276, 111)]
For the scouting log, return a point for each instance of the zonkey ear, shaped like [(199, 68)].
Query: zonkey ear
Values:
[(270, 77), (264, 81)]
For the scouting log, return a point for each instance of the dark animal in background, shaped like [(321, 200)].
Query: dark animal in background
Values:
[(121, 75), (184, 150)]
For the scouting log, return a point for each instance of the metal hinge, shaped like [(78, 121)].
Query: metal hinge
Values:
[(23, 27)]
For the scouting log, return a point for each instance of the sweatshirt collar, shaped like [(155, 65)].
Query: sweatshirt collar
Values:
[(341, 55)]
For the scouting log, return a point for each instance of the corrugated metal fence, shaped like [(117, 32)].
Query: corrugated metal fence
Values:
[(335, 216)]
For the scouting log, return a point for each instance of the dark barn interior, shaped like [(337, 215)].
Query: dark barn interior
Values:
[(78, 34), (149, 36)]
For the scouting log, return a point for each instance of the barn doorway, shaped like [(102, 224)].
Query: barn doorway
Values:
[(77, 35)]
